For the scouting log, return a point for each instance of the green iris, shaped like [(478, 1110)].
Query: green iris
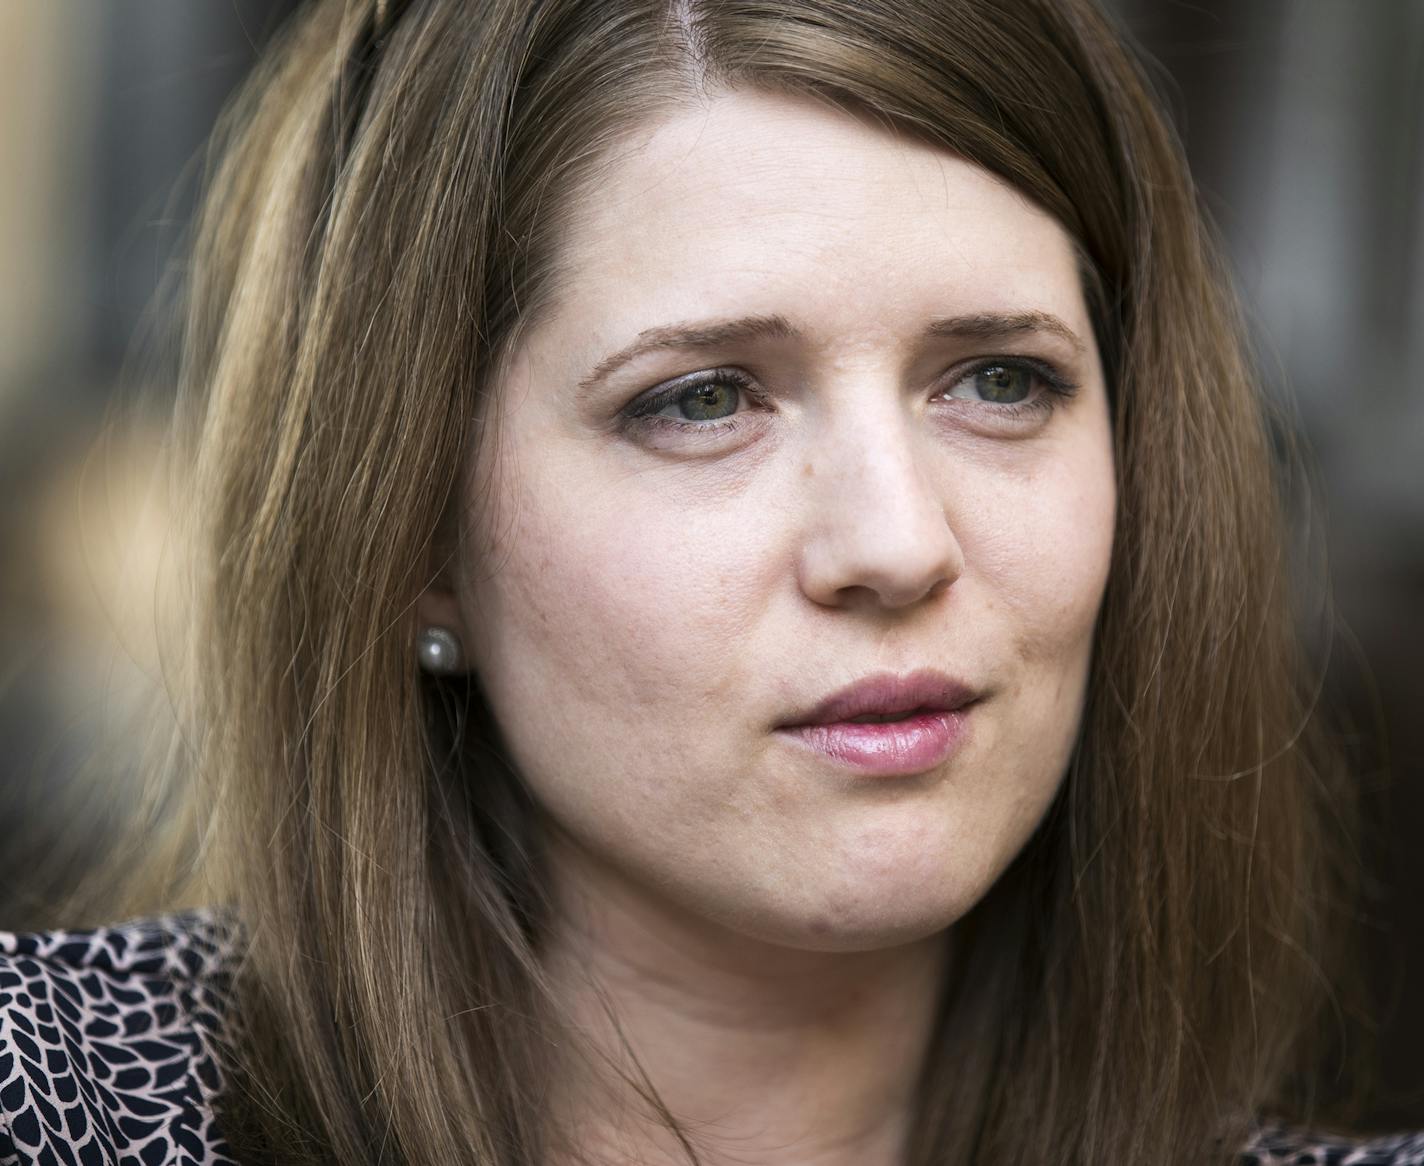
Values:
[(1003, 384), (706, 402)]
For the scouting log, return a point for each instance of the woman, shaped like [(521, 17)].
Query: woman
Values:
[(742, 616)]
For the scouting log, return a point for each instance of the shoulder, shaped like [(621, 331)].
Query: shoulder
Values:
[(107, 1040), (1276, 1143)]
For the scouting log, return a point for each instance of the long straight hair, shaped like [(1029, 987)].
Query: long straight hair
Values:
[(382, 222)]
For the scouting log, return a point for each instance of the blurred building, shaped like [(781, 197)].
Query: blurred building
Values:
[(1304, 120), (103, 112)]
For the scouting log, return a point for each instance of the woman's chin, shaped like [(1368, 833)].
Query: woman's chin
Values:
[(849, 919)]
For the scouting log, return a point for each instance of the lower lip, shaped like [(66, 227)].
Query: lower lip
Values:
[(891, 749)]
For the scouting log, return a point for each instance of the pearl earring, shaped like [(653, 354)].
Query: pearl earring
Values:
[(439, 652)]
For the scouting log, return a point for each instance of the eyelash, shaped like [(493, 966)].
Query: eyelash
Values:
[(642, 413)]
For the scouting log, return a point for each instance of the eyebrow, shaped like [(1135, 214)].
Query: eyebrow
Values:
[(716, 333)]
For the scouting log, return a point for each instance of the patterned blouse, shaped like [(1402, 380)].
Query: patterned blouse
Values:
[(107, 1053)]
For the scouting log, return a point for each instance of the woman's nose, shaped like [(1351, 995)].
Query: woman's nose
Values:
[(876, 526)]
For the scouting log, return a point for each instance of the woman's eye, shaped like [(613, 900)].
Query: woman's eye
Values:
[(705, 402), (708, 403), (1000, 384), (1020, 389)]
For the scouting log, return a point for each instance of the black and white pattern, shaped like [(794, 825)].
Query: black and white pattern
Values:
[(1276, 1145), (106, 1053)]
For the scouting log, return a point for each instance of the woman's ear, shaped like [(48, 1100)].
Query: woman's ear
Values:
[(441, 635), (439, 606)]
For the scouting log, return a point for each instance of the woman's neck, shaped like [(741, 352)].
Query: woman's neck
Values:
[(764, 1054)]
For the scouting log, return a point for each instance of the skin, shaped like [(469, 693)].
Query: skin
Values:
[(644, 607)]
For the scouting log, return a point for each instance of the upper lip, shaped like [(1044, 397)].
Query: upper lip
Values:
[(887, 693)]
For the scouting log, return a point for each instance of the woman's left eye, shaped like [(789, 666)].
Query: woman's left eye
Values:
[(1001, 384), (1008, 384)]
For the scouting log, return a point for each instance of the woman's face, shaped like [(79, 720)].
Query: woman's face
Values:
[(861, 471)]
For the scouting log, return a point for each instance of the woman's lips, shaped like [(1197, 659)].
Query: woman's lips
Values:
[(918, 743)]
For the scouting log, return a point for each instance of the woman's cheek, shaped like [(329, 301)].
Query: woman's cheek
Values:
[(600, 602), (1047, 548)]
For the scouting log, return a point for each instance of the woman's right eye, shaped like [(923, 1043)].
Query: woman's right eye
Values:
[(705, 402)]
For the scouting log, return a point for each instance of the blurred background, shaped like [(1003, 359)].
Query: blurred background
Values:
[(1304, 121)]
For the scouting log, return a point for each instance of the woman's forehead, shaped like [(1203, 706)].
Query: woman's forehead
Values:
[(766, 204)]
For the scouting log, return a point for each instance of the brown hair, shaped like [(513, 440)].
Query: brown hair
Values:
[(383, 221)]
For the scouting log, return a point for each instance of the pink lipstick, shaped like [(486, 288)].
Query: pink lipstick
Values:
[(887, 725)]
